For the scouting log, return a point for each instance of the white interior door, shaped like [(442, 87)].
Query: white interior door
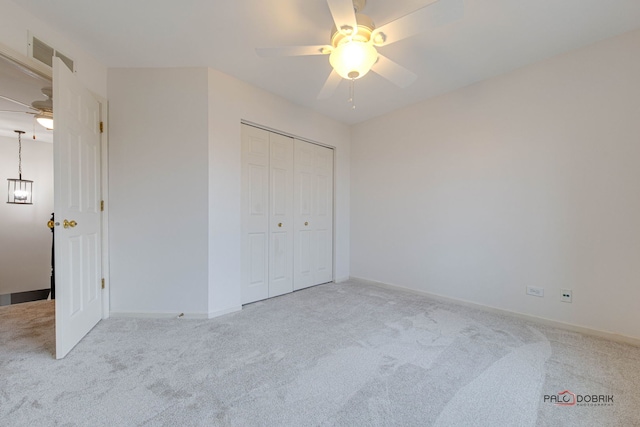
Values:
[(313, 214), (76, 155), (281, 215), (255, 212)]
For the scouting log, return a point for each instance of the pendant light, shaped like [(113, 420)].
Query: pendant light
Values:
[(20, 191)]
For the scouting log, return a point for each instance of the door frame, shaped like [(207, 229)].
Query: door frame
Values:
[(104, 194), (335, 180), (43, 71)]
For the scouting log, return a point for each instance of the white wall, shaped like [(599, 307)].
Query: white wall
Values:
[(530, 178), (230, 101), (158, 180), (25, 240), (178, 130)]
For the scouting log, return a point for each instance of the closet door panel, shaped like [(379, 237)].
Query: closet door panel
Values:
[(281, 215), (323, 215), (313, 194), (303, 270), (255, 213)]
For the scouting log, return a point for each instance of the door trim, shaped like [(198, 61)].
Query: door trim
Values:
[(29, 64), (289, 135), (104, 193)]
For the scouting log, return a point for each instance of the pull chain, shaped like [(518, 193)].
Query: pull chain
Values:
[(352, 93)]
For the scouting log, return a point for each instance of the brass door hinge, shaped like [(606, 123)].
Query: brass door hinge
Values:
[(102, 283), (101, 127), (101, 205)]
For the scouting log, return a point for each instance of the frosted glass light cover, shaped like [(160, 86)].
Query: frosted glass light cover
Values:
[(353, 59), (45, 121)]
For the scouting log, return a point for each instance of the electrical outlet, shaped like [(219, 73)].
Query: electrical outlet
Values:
[(566, 295), (535, 291)]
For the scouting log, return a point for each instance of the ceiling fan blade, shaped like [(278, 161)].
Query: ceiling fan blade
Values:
[(12, 111), (393, 72), (18, 102), (434, 15), (330, 85), (344, 16), (270, 52)]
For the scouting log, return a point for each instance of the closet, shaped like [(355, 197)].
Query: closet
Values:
[(287, 214)]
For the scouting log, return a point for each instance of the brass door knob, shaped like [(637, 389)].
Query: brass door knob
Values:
[(51, 224), (279, 224), (67, 224), (306, 223)]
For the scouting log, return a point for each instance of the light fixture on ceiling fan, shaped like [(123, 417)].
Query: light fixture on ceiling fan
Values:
[(353, 53), (41, 110), (355, 40)]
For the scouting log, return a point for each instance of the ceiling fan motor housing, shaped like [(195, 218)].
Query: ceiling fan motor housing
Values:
[(365, 28), (47, 105)]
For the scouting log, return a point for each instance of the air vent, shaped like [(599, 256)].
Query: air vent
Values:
[(44, 53)]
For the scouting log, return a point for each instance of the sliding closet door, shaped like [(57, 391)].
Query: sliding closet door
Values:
[(281, 218), (267, 209), (313, 204), (255, 212)]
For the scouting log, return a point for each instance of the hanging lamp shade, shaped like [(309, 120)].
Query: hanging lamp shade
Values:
[(19, 191), (45, 119)]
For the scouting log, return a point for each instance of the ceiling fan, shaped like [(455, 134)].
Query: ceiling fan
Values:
[(42, 110), (354, 43)]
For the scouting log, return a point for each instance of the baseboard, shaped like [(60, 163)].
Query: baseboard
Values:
[(219, 313), (173, 315), (541, 320), (341, 279), (157, 315)]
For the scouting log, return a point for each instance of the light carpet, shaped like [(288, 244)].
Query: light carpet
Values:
[(349, 354)]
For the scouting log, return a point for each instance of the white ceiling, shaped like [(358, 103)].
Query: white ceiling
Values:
[(493, 37)]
